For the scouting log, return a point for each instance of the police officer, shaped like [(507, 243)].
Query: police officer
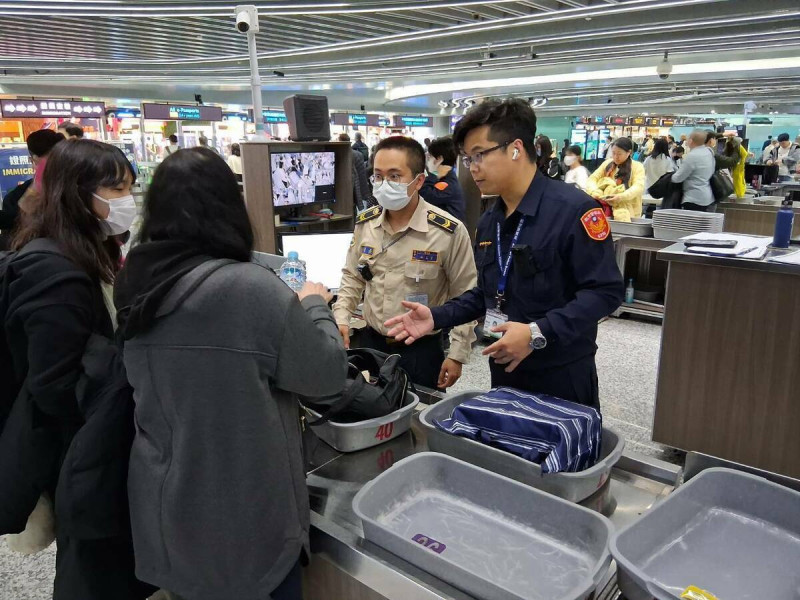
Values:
[(441, 187), (407, 250), (547, 271)]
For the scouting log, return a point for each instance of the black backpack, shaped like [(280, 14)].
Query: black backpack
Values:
[(361, 400)]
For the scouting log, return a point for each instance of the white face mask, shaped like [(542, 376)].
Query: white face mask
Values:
[(122, 212), (432, 164), (391, 195), (569, 160)]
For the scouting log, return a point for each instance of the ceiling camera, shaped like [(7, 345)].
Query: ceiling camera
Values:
[(246, 18), (664, 68)]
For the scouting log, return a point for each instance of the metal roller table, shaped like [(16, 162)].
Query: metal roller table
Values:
[(347, 567)]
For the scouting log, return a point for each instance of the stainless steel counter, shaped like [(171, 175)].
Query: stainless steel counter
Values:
[(677, 253), (636, 484)]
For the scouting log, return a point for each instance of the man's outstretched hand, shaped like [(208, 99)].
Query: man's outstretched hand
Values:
[(412, 325)]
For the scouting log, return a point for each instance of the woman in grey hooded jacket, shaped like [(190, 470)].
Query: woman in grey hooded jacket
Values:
[(217, 349)]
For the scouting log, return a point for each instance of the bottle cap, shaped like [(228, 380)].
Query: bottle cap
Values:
[(293, 255)]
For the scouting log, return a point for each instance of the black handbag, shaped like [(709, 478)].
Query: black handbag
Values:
[(721, 185), (362, 400)]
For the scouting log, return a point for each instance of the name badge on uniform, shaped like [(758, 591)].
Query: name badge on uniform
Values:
[(494, 318), (425, 256), (418, 298), (367, 250)]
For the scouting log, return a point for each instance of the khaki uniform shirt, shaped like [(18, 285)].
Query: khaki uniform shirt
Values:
[(434, 258)]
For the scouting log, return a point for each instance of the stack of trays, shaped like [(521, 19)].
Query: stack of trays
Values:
[(673, 224)]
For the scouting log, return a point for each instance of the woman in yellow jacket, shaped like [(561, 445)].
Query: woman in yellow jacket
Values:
[(733, 147), (618, 184)]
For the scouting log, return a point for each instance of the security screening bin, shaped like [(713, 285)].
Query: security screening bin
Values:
[(574, 487), (733, 534), (485, 534), (351, 437)]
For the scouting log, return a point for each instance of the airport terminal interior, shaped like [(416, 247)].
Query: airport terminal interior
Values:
[(400, 300)]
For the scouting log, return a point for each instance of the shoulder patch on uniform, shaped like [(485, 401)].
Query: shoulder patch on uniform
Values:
[(441, 186), (369, 214), (595, 223), (442, 221)]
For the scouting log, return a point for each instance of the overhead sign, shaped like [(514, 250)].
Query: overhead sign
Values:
[(653, 122), (356, 119), (124, 113), (760, 121), (15, 167), (636, 121), (616, 120), (384, 121), (236, 117), (274, 116), (181, 112), (668, 122), (412, 121), (27, 109)]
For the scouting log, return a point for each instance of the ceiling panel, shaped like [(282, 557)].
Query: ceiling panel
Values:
[(380, 44)]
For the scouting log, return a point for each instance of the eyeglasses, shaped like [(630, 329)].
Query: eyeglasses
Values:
[(394, 179), (477, 158)]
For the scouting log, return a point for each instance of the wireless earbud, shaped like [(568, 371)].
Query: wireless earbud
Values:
[(515, 156)]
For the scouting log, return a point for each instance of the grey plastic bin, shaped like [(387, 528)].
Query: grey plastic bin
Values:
[(574, 487), (351, 437), (730, 533), (485, 534)]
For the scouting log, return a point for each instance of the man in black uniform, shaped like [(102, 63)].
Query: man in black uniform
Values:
[(546, 267), (441, 187)]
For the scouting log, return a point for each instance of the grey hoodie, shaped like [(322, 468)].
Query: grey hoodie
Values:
[(219, 506)]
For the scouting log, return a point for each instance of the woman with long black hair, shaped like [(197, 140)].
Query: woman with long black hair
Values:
[(217, 349), (658, 163), (52, 304), (626, 175)]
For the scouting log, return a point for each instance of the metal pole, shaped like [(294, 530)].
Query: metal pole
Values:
[(255, 85)]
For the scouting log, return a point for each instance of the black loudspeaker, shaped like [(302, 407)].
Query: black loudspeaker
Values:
[(308, 118)]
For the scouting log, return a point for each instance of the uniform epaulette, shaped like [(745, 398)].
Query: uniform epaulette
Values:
[(369, 214), (442, 221)]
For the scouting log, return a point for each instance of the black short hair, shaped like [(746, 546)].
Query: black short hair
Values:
[(508, 120), (415, 153), (72, 129), (784, 137), (445, 148), (678, 150), (195, 198), (42, 141), (576, 150), (173, 138)]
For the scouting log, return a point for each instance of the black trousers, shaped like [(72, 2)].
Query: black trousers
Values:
[(97, 570), (576, 381), (696, 207), (422, 360)]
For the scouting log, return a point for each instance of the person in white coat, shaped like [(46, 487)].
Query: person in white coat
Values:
[(658, 163), (576, 174)]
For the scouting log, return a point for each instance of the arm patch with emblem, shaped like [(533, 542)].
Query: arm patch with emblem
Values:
[(441, 186), (369, 214), (595, 223), (442, 221)]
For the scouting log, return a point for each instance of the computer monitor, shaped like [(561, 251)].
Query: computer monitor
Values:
[(302, 177), (325, 254)]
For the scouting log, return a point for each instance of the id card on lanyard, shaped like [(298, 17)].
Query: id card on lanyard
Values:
[(496, 317)]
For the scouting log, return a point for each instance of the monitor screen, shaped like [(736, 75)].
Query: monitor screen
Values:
[(302, 178), (325, 255)]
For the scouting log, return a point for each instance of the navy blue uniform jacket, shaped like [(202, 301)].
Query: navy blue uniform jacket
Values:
[(564, 274)]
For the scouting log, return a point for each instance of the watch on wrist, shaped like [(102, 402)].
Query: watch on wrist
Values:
[(538, 341)]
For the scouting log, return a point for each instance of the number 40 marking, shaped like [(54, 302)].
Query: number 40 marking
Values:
[(384, 432)]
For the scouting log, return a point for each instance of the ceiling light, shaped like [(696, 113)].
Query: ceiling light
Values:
[(443, 107)]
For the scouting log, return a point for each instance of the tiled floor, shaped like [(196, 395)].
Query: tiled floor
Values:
[(627, 363)]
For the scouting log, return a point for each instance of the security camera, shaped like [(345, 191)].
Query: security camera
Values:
[(664, 68), (246, 18)]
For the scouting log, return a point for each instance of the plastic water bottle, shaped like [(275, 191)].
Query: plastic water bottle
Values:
[(293, 272), (783, 224), (629, 292)]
